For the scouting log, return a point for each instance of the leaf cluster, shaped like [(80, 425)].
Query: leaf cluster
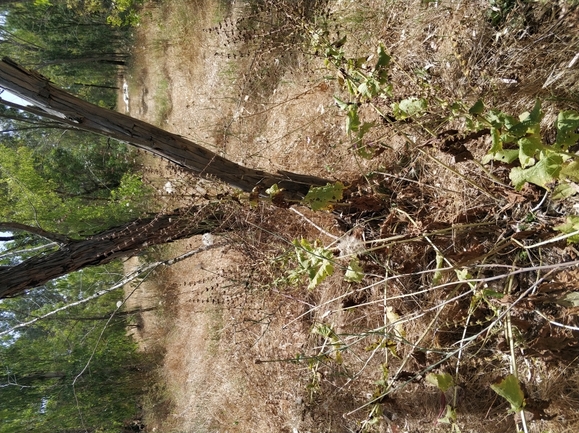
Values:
[(541, 163)]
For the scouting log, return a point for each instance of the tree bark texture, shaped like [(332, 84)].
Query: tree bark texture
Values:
[(70, 110), (122, 241)]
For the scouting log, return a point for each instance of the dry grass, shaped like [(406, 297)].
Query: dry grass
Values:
[(239, 335)]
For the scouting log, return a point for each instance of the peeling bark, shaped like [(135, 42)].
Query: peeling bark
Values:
[(70, 110), (100, 249)]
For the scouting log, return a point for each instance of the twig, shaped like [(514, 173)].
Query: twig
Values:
[(552, 322)]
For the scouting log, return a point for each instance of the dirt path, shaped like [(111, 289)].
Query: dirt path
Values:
[(210, 328), (230, 321)]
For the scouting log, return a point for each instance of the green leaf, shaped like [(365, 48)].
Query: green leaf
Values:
[(570, 170), (323, 197), (343, 105), (564, 190), (494, 118), (325, 269), (339, 43), (442, 381), (410, 107), (489, 293), (381, 68), (366, 126), (497, 144), (567, 125), (273, 190), (570, 225), (510, 389), (477, 108), (324, 331), (439, 264), (353, 120), (370, 88), (528, 148), (450, 418), (315, 260), (497, 152), (541, 174), (536, 114), (354, 273)]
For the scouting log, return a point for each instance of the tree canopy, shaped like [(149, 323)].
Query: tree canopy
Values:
[(78, 371)]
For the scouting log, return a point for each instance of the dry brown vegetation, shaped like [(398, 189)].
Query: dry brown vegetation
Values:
[(454, 279)]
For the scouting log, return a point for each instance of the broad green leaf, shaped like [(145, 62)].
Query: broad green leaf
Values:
[(315, 260), (570, 170), (522, 129), (564, 190), (381, 68), (497, 152), (324, 270), (324, 197), (529, 123), (506, 155), (409, 107), (363, 90), (353, 120), (497, 144), (542, 173), (570, 225), (528, 148), (477, 108), (567, 125), (495, 118), (343, 105), (370, 88), (442, 381), (366, 126), (510, 389), (536, 114), (354, 273), (509, 121)]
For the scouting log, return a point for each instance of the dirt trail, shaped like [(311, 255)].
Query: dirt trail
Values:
[(214, 381), (228, 321)]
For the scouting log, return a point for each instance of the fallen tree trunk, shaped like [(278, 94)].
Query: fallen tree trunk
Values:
[(72, 111)]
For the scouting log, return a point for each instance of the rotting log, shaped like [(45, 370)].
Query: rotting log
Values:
[(70, 110)]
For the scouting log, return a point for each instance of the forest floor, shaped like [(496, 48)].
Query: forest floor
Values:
[(451, 273)]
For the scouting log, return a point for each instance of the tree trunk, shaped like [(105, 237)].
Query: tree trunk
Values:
[(100, 249), (70, 110)]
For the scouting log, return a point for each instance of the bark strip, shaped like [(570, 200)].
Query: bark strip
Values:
[(70, 110), (100, 249)]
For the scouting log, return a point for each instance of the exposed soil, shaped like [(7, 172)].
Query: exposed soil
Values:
[(246, 349)]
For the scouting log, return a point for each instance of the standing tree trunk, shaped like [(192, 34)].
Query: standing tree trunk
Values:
[(100, 249), (70, 110)]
